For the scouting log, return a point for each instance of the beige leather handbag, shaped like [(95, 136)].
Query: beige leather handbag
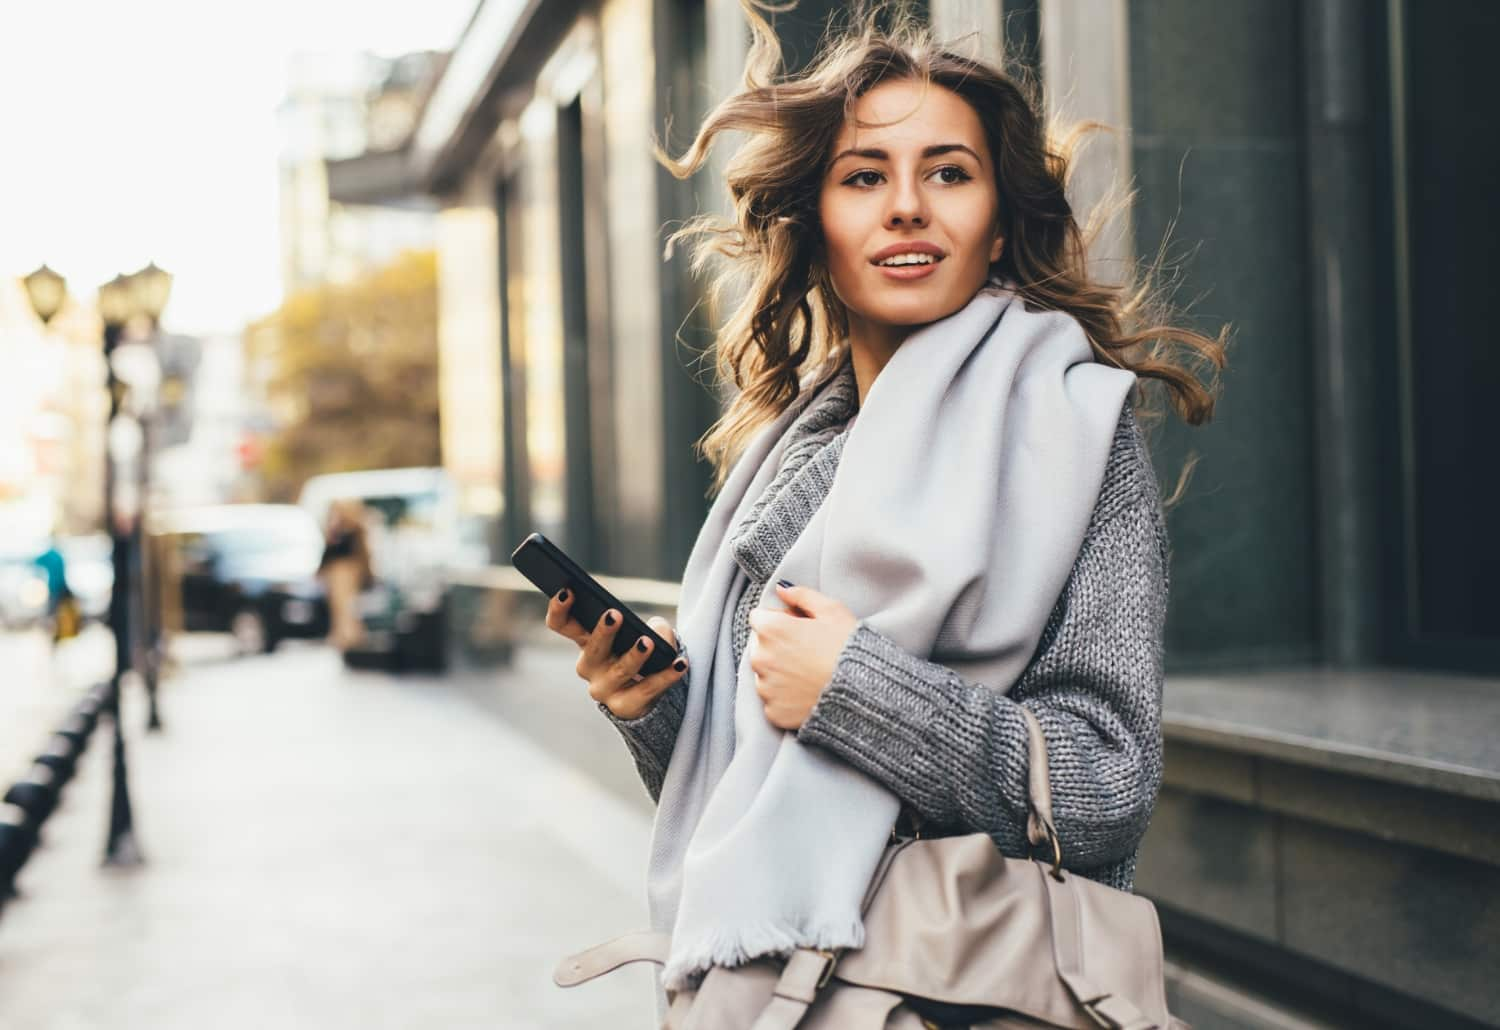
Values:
[(957, 935)]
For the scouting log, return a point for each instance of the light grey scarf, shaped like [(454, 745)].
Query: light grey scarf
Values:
[(959, 504)]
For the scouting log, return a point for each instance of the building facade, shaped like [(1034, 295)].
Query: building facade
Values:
[(338, 106), (1325, 849)]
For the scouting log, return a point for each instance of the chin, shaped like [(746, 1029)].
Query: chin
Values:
[(916, 312)]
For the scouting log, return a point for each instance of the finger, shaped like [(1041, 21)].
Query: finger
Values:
[(652, 686), (763, 689), (802, 599), (560, 620), (597, 651), (663, 629), (629, 664)]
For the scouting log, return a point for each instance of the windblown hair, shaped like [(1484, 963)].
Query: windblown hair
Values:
[(787, 326)]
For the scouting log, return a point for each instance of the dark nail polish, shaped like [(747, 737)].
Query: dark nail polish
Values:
[(640, 645), (679, 665), (609, 618), (785, 583), (562, 595)]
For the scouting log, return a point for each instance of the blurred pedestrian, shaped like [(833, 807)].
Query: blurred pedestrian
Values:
[(345, 571), (994, 508), (62, 606)]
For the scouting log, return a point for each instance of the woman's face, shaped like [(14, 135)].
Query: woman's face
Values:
[(909, 210)]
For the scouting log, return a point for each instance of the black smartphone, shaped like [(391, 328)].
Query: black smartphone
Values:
[(545, 564)]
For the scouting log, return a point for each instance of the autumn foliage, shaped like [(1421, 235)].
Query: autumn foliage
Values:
[(350, 374)]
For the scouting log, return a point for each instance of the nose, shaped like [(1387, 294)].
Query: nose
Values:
[(908, 205)]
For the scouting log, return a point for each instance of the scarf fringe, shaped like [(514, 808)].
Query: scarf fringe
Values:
[(728, 946)]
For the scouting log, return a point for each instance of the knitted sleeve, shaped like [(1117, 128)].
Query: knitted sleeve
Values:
[(956, 751), (651, 737)]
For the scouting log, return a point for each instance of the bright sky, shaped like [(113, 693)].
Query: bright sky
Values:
[(139, 130)]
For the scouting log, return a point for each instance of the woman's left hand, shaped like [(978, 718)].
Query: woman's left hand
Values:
[(794, 653)]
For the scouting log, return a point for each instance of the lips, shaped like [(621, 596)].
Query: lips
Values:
[(908, 247)]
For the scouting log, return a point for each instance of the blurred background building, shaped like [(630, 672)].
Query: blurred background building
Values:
[(344, 373), (51, 421), (1326, 843), (338, 105)]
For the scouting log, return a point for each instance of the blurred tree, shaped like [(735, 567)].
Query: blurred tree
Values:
[(350, 373)]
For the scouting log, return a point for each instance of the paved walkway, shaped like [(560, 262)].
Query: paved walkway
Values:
[(38, 686), (329, 849)]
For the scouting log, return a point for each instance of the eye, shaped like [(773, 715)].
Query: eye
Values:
[(865, 178), (952, 175)]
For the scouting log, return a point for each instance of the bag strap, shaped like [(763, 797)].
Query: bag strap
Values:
[(1039, 826), (1108, 1010), (644, 946), (806, 972)]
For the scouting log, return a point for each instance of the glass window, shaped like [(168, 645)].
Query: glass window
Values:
[(1451, 365)]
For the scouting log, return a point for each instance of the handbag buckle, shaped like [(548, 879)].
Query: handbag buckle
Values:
[(831, 959)]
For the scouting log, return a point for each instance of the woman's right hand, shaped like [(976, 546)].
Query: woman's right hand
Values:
[(615, 682)]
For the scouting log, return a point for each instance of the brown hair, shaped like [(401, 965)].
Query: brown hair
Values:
[(786, 322)]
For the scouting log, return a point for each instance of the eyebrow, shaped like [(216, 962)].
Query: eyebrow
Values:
[(937, 150)]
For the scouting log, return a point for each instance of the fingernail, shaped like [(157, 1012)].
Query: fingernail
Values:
[(562, 595), (679, 665), (640, 645), (609, 618), (785, 583)]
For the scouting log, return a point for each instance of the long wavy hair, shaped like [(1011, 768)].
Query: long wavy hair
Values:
[(786, 328)]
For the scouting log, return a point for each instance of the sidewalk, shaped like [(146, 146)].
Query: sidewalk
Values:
[(39, 686), (328, 849)]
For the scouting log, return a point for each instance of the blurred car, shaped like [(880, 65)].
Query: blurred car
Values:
[(414, 537), (250, 570), (23, 585), (89, 568)]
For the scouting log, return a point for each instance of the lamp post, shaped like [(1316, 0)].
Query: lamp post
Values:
[(121, 515), (150, 288), (131, 377)]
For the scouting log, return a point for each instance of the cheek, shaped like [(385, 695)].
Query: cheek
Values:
[(840, 235), (974, 233)]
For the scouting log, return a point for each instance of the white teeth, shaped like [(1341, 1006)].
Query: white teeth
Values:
[(911, 259)]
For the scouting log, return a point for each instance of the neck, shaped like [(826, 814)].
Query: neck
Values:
[(871, 345)]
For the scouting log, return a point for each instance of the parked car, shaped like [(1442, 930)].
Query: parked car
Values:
[(250, 570), (414, 536)]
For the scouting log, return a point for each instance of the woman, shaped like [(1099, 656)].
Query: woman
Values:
[(345, 571), (935, 506)]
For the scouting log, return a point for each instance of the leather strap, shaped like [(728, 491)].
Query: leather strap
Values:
[(645, 946), (1039, 826), (881, 868), (1108, 1010), (677, 1014), (804, 974)]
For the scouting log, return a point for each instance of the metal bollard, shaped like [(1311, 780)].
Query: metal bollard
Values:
[(77, 729), (36, 792), (17, 838), (88, 708), (61, 756)]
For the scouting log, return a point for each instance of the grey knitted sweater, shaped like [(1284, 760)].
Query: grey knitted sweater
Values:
[(953, 751)]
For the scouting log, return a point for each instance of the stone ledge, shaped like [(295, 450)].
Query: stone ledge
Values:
[(1433, 731)]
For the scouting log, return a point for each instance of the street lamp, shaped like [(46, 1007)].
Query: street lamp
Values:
[(46, 290), (139, 365), (151, 286), (121, 300), (116, 306)]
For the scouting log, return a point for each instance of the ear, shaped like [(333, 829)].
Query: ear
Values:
[(997, 248)]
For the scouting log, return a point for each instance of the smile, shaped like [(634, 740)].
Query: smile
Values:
[(907, 267), (909, 259)]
